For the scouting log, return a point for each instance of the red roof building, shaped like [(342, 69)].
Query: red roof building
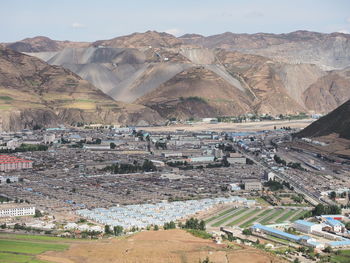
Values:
[(8, 163)]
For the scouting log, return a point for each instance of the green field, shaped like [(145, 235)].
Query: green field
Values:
[(220, 215), (285, 216), (254, 219), (299, 215), (272, 216), (225, 219), (24, 248), (244, 217), (342, 257)]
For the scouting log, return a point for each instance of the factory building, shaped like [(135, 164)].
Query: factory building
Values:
[(8, 163), (304, 240), (306, 227), (336, 225)]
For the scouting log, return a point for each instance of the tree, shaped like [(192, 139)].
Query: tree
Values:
[(112, 145), (108, 229), (38, 213), (118, 230), (296, 260), (156, 228), (328, 249), (148, 166), (202, 225), (332, 195), (247, 232), (8, 181)]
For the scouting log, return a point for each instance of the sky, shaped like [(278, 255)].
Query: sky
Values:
[(88, 20)]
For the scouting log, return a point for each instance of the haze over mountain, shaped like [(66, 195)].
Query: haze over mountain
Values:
[(35, 93), (227, 74)]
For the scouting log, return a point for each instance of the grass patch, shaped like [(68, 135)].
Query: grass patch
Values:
[(5, 107), (251, 221), (244, 217), (29, 247), (23, 248), (199, 233), (33, 237), (17, 258), (220, 215), (280, 240), (269, 218), (299, 215), (7, 98), (284, 217), (222, 221)]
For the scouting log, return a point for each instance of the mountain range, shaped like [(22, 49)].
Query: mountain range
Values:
[(196, 76)]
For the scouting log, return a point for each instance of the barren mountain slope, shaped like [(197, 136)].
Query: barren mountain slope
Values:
[(338, 122), (326, 50), (33, 92), (141, 40), (43, 44), (197, 92), (328, 92), (129, 67)]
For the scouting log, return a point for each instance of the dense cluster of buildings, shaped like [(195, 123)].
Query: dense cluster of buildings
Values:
[(144, 215)]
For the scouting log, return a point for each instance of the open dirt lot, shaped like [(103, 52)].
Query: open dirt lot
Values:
[(248, 126), (157, 246)]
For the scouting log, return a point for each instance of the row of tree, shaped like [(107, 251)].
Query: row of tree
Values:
[(124, 168), (116, 230)]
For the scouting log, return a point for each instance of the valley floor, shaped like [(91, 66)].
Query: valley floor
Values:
[(237, 127)]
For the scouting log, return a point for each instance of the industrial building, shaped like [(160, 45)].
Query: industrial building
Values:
[(9, 163), (14, 209), (306, 227), (253, 186), (304, 240)]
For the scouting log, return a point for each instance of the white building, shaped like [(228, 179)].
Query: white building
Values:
[(14, 209), (252, 186), (306, 227)]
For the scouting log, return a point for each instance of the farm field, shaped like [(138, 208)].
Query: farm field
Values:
[(26, 248), (245, 217)]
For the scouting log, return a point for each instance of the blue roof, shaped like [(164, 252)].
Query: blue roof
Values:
[(344, 242), (333, 222), (276, 231), (314, 243), (305, 223)]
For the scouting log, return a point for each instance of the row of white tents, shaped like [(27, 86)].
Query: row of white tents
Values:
[(143, 215)]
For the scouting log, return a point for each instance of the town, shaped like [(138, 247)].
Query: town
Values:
[(246, 185)]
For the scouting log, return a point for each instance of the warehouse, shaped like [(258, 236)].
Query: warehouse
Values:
[(306, 227), (304, 240)]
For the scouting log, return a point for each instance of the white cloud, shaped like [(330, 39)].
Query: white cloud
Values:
[(174, 31), (77, 25)]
